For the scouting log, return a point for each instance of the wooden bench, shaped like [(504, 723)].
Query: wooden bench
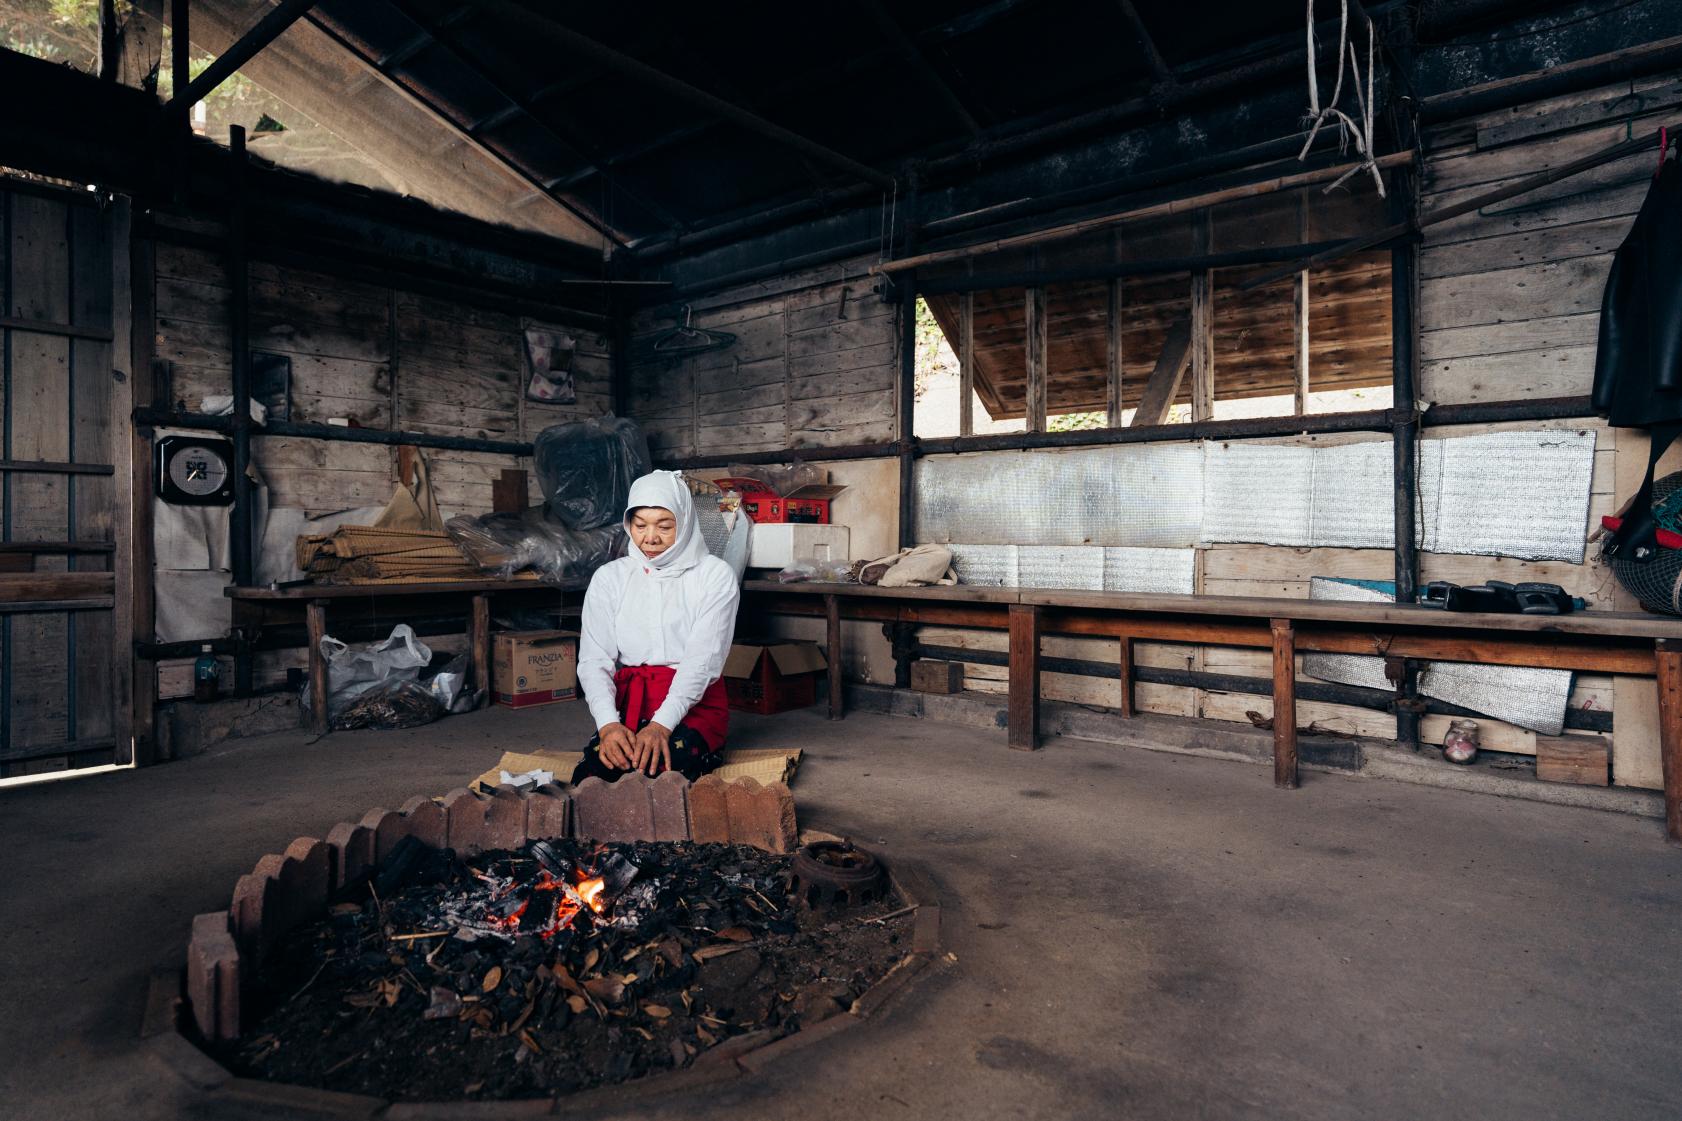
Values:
[(253, 606), (1588, 642)]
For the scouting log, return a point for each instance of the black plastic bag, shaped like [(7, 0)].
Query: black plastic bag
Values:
[(586, 469)]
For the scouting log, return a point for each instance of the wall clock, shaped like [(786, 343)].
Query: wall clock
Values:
[(195, 471)]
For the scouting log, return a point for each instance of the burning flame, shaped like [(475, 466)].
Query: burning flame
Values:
[(590, 891)]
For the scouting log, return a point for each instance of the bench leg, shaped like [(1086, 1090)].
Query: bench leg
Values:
[(1024, 731), (832, 636), (1284, 705), (1126, 676), (315, 625), (1669, 657), (479, 642)]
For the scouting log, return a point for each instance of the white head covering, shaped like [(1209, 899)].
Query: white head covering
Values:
[(667, 489)]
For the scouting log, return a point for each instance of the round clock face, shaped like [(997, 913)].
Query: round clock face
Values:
[(198, 470)]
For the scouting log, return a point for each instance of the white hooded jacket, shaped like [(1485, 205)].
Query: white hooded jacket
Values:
[(678, 609)]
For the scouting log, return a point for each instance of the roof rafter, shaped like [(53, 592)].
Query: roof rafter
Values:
[(920, 61), (518, 106), (550, 28), (378, 69)]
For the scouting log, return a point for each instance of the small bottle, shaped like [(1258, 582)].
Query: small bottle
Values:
[(206, 676)]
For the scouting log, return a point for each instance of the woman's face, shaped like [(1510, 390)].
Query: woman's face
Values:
[(653, 528)]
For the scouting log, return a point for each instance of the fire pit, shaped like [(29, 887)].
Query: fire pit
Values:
[(442, 954)]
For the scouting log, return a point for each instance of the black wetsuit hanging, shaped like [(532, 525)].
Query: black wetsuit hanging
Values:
[(1638, 365)]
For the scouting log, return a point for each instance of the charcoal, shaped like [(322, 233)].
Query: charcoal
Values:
[(552, 861), (602, 997), (616, 873), (398, 865)]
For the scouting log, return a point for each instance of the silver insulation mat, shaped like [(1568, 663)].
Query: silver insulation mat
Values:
[(1519, 494), (1516, 494), (1354, 499), (1258, 492), (1529, 698), (1513, 494), (1138, 495), (1083, 567)]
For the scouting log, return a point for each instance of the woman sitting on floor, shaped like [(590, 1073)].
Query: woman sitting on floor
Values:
[(657, 627)]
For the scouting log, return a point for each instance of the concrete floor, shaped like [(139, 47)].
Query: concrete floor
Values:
[(1137, 934)]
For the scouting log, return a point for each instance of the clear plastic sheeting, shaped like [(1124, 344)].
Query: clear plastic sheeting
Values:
[(1139, 495), (1530, 698), (1080, 567), (1519, 494), (508, 543)]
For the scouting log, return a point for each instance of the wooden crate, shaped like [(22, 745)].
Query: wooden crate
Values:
[(1585, 760)]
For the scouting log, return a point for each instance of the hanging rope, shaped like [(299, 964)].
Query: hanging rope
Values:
[(1360, 131)]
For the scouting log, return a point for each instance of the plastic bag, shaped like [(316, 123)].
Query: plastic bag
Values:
[(353, 672), (816, 571), (726, 534), (446, 685), (508, 543), (395, 704), (586, 469), (782, 480)]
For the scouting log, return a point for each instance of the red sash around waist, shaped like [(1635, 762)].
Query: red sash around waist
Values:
[(640, 690)]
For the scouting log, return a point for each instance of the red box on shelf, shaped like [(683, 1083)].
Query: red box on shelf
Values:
[(773, 677), (765, 506)]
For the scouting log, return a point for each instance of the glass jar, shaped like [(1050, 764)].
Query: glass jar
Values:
[(1460, 745)]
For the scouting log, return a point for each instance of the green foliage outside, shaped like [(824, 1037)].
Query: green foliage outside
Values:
[(67, 31)]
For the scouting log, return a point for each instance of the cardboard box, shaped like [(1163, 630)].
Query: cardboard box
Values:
[(534, 667), (807, 504), (772, 677), (777, 546)]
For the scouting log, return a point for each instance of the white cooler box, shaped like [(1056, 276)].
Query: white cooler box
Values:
[(777, 546)]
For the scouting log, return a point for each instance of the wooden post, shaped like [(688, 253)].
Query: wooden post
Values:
[(1126, 665), (1284, 705), (1202, 345), (1404, 440), (832, 636), (1299, 320), (1035, 360), (1113, 357), (479, 641), (1669, 656), (315, 619), (966, 364), (1024, 724)]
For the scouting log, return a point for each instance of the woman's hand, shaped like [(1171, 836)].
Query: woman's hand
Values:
[(653, 749), (617, 748)]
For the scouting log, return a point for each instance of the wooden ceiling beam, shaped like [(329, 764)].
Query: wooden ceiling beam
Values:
[(550, 28), (908, 50), (242, 51)]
